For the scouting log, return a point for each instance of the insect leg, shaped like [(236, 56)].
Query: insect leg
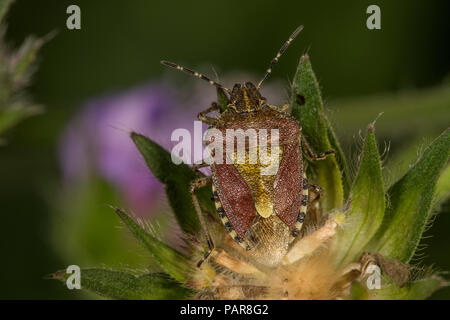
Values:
[(315, 190), (284, 108), (234, 264), (311, 155), (315, 217), (197, 184), (202, 116), (308, 244), (302, 211), (196, 168)]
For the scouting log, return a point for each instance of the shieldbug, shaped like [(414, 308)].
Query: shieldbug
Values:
[(262, 213)]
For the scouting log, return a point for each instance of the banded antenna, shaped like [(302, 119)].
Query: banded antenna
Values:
[(280, 52), (195, 74)]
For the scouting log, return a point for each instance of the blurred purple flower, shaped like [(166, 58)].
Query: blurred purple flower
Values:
[(97, 140)]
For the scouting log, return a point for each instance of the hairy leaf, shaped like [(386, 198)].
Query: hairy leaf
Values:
[(177, 179), (442, 187), (307, 108), (25, 57), (340, 157), (417, 290), (410, 201), (222, 99), (173, 262), (123, 285), (367, 205), (358, 291), (12, 115)]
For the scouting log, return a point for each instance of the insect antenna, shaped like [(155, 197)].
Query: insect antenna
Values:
[(280, 52), (195, 74)]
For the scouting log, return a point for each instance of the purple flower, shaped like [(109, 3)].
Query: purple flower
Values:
[(97, 141)]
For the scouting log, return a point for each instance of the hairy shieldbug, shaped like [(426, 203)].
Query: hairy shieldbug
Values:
[(263, 214)]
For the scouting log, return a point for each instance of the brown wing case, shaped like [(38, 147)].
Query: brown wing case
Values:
[(288, 185), (235, 196)]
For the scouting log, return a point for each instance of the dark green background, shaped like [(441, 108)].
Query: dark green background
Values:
[(120, 45)]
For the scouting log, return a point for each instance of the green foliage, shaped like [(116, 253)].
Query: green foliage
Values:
[(367, 205), (15, 113), (442, 187), (173, 262), (85, 231), (123, 285), (4, 5), (358, 292), (222, 100), (416, 290), (176, 179), (15, 72), (307, 108), (340, 157), (410, 201)]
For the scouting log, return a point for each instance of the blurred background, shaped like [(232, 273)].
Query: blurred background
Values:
[(60, 169)]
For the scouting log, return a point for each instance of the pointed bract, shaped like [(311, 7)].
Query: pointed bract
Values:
[(442, 187), (416, 290), (177, 179), (409, 205), (367, 204), (171, 261), (123, 285), (307, 108)]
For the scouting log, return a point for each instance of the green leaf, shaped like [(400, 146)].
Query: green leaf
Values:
[(4, 6), (358, 291), (340, 158), (307, 108), (177, 179), (173, 262), (366, 210), (123, 285), (410, 204), (12, 115), (85, 231), (417, 290), (442, 187), (222, 99), (25, 57)]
